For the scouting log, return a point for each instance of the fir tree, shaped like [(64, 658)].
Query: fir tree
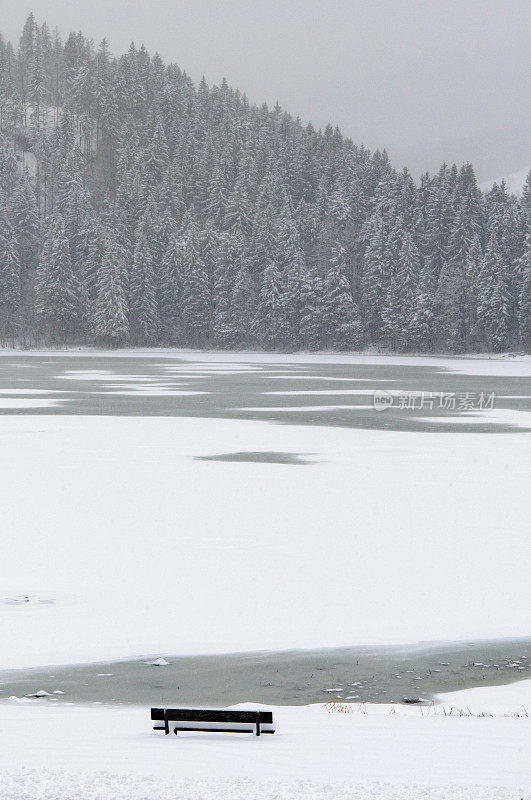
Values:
[(524, 314), (9, 279), (269, 318), (144, 318), (196, 290), (342, 323), (312, 316), (171, 291), (493, 301), (375, 278), (111, 326), (59, 303), (243, 303)]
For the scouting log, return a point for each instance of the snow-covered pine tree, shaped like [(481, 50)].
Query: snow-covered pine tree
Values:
[(524, 311), (243, 301), (143, 312), (312, 317), (9, 279), (392, 322), (171, 291), (421, 327), (222, 289), (196, 288), (342, 322), (407, 284), (451, 309), (494, 305), (111, 325), (375, 278), (269, 319), (59, 303)]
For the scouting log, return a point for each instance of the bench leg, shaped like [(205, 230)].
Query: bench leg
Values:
[(258, 724)]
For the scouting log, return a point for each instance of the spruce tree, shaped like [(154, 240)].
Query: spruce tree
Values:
[(196, 289), (407, 283), (9, 279), (420, 334), (171, 292), (524, 312), (493, 301), (269, 319), (312, 316), (144, 317), (342, 323), (59, 304), (243, 303), (111, 325), (375, 278)]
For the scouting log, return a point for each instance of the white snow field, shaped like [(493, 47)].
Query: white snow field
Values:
[(126, 545), (387, 752)]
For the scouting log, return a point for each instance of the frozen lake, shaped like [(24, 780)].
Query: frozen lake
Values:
[(430, 395), (188, 504)]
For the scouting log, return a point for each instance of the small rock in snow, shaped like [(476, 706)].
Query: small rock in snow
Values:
[(40, 693), (160, 662), (57, 691)]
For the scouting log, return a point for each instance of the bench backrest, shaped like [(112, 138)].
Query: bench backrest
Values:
[(211, 715)]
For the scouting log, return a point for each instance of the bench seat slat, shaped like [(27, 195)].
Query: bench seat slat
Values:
[(219, 730)]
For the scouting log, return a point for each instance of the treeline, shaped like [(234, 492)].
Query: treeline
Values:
[(138, 209)]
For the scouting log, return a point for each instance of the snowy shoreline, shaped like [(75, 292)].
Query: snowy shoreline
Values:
[(474, 745)]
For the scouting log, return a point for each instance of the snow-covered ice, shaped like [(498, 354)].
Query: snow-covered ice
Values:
[(391, 537)]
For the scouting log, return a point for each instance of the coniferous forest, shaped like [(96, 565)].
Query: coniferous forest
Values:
[(138, 209)]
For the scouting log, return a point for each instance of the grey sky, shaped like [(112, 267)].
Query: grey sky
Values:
[(431, 80)]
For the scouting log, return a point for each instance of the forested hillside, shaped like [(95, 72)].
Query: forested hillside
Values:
[(138, 209)]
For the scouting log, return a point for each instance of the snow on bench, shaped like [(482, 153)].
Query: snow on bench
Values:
[(214, 720)]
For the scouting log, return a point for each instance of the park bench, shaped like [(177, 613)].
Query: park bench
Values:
[(215, 720)]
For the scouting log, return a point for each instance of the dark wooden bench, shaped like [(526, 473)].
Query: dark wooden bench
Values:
[(215, 720)]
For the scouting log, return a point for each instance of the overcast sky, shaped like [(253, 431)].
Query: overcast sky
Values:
[(431, 80)]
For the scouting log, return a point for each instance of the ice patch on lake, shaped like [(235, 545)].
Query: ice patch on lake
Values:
[(331, 378), (287, 409), (500, 416), (27, 391), (318, 392), (22, 402), (148, 391)]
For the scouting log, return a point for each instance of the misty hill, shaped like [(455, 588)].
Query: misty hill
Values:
[(137, 208)]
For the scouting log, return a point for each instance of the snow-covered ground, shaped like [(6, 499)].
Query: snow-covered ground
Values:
[(125, 544), (388, 752)]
